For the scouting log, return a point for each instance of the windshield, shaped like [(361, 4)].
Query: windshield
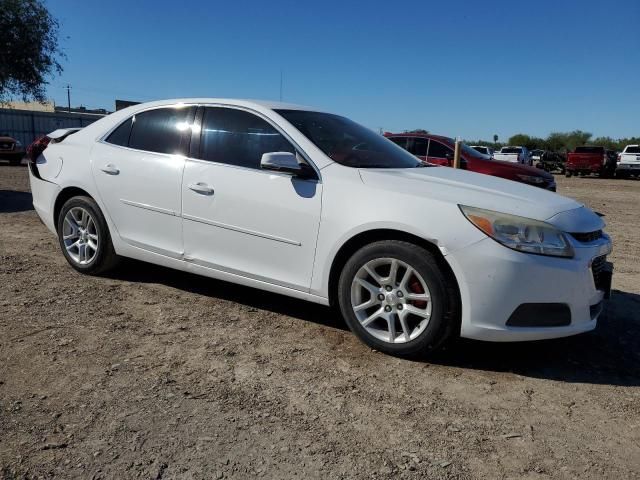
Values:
[(632, 150), (484, 150), (349, 143)]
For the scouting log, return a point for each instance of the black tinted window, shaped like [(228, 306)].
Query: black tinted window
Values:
[(239, 138), (590, 150), (419, 147), (120, 136), (632, 150), (400, 141), (163, 130), (438, 150), (348, 143)]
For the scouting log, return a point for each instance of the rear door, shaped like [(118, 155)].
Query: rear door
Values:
[(241, 219), (138, 171)]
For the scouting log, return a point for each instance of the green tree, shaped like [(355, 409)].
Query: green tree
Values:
[(417, 130), (495, 138), (29, 50)]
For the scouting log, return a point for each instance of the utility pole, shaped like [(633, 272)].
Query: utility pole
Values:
[(456, 153), (68, 98), (280, 84)]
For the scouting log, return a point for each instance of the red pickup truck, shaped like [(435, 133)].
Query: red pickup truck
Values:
[(590, 159), (439, 150)]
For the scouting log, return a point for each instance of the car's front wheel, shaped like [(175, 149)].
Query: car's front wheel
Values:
[(84, 236), (395, 297)]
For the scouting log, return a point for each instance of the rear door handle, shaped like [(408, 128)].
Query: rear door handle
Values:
[(201, 188), (110, 169)]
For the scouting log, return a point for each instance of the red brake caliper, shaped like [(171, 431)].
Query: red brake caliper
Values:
[(416, 287)]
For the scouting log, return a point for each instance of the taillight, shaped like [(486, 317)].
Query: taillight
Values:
[(37, 147), (619, 157)]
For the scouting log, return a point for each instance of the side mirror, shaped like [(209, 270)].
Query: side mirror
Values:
[(286, 162)]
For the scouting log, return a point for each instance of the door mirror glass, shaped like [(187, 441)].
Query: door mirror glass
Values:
[(286, 162)]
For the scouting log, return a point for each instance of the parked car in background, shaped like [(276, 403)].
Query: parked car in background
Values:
[(11, 150), (549, 161), (628, 162), (536, 155), (438, 150), (483, 149), (312, 205), (590, 159), (514, 155)]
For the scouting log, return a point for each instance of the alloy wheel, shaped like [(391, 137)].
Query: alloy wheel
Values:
[(391, 300), (80, 235)]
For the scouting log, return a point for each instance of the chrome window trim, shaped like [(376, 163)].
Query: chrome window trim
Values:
[(103, 139)]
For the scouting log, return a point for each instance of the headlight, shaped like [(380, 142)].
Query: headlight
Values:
[(530, 178), (18, 143), (520, 233)]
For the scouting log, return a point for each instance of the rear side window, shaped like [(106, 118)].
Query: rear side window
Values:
[(438, 150), (163, 130), (120, 136), (419, 147), (236, 137)]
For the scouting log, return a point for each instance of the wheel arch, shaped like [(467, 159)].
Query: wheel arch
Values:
[(64, 195), (369, 236)]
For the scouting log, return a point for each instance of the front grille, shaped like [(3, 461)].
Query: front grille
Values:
[(587, 237), (6, 145), (600, 272)]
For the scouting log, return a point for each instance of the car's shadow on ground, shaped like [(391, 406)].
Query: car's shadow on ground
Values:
[(610, 355), (12, 201)]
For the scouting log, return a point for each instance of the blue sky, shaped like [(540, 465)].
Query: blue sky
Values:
[(467, 68)]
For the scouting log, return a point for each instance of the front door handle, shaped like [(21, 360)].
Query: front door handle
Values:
[(110, 169), (201, 188)]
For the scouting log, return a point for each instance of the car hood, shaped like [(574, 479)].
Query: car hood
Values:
[(484, 191), (7, 139)]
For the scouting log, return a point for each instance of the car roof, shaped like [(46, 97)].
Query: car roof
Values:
[(250, 103), (420, 135)]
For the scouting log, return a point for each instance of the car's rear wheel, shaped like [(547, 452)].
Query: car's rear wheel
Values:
[(84, 236), (396, 298)]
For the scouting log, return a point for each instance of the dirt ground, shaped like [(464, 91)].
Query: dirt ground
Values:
[(153, 373)]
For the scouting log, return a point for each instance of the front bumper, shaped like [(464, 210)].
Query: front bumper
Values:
[(12, 155), (495, 281)]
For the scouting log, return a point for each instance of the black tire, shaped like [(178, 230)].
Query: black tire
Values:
[(444, 323), (568, 174), (105, 257), (15, 162)]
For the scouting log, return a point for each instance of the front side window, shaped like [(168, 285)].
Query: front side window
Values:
[(348, 143), (162, 130), (438, 150), (236, 137)]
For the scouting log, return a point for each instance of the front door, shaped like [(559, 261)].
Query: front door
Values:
[(241, 219)]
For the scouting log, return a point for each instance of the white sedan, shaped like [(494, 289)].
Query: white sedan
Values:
[(312, 205)]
